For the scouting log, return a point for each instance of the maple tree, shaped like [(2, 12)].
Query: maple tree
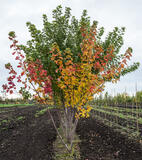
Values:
[(67, 63)]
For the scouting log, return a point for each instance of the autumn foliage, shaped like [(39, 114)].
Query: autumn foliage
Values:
[(77, 80), (67, 63)]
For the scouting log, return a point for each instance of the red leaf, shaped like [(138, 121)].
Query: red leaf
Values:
[(11, 46), (19, 80), (10, 82), (4, 86), (11, 92), (22, 56), (17, 58), (22, 73)]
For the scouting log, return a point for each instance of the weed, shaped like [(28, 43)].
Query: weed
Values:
[(41, 112), (20, 118)]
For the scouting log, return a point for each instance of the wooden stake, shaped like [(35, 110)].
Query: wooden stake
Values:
[(137, 110)]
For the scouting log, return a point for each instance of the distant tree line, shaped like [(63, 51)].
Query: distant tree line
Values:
[(123, 99), (12, 100)]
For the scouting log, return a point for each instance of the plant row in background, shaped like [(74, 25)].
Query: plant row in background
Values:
[(122, 112)]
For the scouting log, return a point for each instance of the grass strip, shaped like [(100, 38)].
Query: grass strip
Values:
[(120, 115), (15, 105), (120, 109), (129, 132)]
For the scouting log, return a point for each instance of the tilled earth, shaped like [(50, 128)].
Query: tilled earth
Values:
[(28, 139), (99, 142), (31, 138)]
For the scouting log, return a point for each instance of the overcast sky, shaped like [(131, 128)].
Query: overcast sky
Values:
[(109, 13)]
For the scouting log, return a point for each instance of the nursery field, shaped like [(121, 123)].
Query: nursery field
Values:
[(27, 133), (126, 120)]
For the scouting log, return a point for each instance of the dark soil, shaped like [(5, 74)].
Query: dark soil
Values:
[(99, 142), (28, 139), (121, 121), (31, 138)]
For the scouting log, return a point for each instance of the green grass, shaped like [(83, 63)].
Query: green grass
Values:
[(131, 132), (121, 112), (120, 115), (13, 105), (4, 121), (20, 118), (60, 150), (102, 113), (129, 110), (41, 112)]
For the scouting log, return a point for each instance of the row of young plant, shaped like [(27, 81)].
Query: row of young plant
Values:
[(129, 126), (117, 113)]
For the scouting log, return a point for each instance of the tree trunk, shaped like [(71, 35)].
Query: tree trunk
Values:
[(68, 124)]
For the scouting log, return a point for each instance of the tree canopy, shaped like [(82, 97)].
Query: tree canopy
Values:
[(66, 63), (74, 60)]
